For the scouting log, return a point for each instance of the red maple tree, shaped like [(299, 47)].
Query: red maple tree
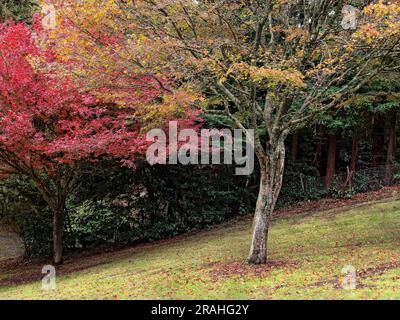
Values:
[(48, 127)]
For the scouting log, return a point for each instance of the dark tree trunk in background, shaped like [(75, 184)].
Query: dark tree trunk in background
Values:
[(331, 162), (354, 154), (378, 142), (55, 199), (58, 220), (271, 171), (320, 134), (295, 147), (391, 152)]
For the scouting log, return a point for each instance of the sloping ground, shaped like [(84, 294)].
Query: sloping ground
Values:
[(307, 254)]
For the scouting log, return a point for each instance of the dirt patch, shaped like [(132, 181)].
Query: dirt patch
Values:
[(378, 270), (370, 272), (360, 275), (338, 204), (236, 268)]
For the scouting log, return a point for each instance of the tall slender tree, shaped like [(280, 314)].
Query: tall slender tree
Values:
[(392, 144)]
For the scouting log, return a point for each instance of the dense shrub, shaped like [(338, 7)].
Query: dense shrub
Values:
[(159, 202), (119, 206), (24, 211), (116, 205)]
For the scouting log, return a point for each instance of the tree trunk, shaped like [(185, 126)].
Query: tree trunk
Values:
[(295, 146), (272, 167), (58, 219), (354, 154), (56, 199), (318, 152), (378, 142), (331, 165), (391, 147)]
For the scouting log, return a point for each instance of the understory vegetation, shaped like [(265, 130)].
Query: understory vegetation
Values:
[(119, 207), (116, 207)]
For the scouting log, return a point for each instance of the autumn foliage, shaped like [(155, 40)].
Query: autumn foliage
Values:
[(48, 126), (110, 70), (57, 111), (45, 121)]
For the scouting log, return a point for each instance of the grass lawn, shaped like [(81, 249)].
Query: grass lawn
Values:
[(307, 253)]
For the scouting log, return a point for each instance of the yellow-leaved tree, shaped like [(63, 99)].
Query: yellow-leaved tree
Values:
[(272, 64)]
